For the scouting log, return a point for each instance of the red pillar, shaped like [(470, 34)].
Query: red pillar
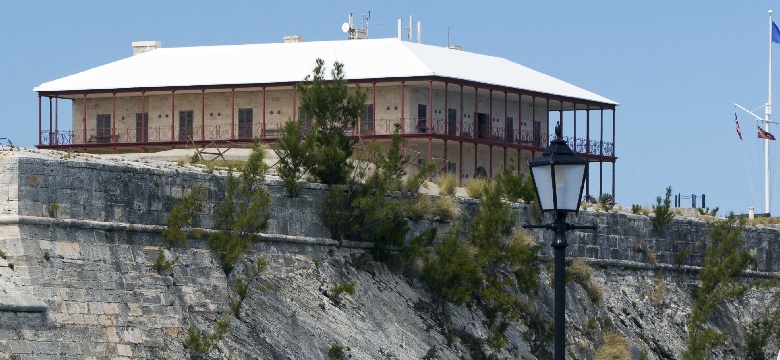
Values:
[(460, 162), (403, 127), (232, 113), (51, 119), (613, 153), (587, 150), (113, 117), (490, 125), (575, 126), (84, 139), (40, 140), (144, 125), (533, 122), (202, 114), (476, 115), (430, 119), (262, 127), (173, 111), (373, 115), (446, 112), (519, 121), (475, 160), (57, 120), (460, 131), (295, 104)]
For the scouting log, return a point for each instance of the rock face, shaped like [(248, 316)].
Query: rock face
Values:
[(81, 235)]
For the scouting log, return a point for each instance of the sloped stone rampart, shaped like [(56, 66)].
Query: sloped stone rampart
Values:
[(98, 296)]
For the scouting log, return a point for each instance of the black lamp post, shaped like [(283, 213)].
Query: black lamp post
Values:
[(558, 177)]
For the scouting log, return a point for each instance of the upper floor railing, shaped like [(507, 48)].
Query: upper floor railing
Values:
[(457, 130)]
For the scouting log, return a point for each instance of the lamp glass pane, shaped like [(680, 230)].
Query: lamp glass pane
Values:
[(568, 182), (543, 182)]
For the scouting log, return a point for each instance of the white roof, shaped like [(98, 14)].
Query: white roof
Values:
[(291, 62)]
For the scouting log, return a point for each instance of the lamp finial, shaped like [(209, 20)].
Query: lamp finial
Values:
[(559, 130)]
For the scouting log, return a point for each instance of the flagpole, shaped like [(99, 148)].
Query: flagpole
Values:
[(768, 113)]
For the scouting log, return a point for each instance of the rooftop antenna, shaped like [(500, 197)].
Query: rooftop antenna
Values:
[(354, 33), (409, 35)]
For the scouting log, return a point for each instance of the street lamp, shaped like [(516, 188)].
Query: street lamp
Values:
[(558, 177)]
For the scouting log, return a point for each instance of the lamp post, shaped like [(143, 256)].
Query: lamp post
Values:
[(558, 177)]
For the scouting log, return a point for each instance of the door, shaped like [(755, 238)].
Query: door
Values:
[(510, 130), (186, 132), (483, 128), (367, 121), (103, 128), (538, 133), (422, 118), (452, 122), (245, 123), (141, 127)]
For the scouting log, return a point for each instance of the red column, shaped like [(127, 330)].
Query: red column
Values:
[(519, 121), (57, 120), (232, 114), (613, 153), (533, 122), (51, 119), (506, 110), (202, 114), (601, 152), (575, 126), (262, 127), (475, 160), (173, 111), (403, 128), (295, 104), (460, 131), (430, 119), (587, 150), (490, 125), (446, 112), (476, 124), (560, 112), (373, 108), (113, 117), (144, 125), (84, 139), (40, 140), (490, 159)]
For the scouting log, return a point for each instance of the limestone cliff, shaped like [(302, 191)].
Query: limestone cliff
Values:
[(80, 235)]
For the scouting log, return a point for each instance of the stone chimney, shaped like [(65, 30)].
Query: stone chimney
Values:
[(140, 47)]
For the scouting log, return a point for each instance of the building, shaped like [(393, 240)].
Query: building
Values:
[(471, 113)]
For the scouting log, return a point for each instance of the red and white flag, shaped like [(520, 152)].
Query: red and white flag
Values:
[(739, 132), (763, 134)]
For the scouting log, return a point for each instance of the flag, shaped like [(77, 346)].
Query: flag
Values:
[(739, 132), (775, 33), (762, 134)]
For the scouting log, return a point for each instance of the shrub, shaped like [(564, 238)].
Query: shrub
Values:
[(53, 207), (662, 210), (475, 187), (46, 256), (2, 254), (606, 201), (337, 290), (243, 213), (292, 154), (659, 291), (445, 208), (446, 184), (333, 110), (181, 219), (615, 347), (581, 273), (201, 344), (636, 209), (162, 264), (516, 186), (391, 166), (337, 352)]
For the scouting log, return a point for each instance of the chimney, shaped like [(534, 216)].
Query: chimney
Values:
[(140, 47), (293, 39)]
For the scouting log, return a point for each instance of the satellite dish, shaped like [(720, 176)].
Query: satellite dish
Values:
[(345, 27)]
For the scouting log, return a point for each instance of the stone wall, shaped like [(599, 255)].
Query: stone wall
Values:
[(82, 283)]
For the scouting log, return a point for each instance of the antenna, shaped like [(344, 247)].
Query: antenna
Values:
[(354, 33), (409, 36)]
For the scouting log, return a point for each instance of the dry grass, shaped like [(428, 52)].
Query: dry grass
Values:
[(615, 347), (446, 184), (475, 187), (657, 296), (582, 274), (445, 208), (763, 221)]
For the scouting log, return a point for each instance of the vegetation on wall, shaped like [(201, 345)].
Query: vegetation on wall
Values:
[(181, 220), (662, 210), (244, 212), (724, 264), (292, 154), (333, 110)]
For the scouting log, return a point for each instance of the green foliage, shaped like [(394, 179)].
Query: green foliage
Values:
[(53, 207), (46, 256), (662, 210), (338, 352), (606, 201), (337, 290), (362, 212), (334, 110), (758, 335), (201, 344), (484, 264), (724, 264), (418, 178), (708, 212), (181, 219), (2, 254), (292, 154), (636, 209), (391, 166), (476, 186), (244, 213), (162, 264), (240, 288), (581, 273), (615, 347), (446, 184), (515, 185), (11, 266)]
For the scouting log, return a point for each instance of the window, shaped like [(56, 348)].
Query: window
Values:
[(452, 121), (304, 122), (367, 120), (452, 167), (141, 127), (245, 123), (510, 129), (186, 130), (422, 118), (103, 128)]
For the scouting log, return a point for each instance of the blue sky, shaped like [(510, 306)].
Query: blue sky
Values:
[(675, 67)]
